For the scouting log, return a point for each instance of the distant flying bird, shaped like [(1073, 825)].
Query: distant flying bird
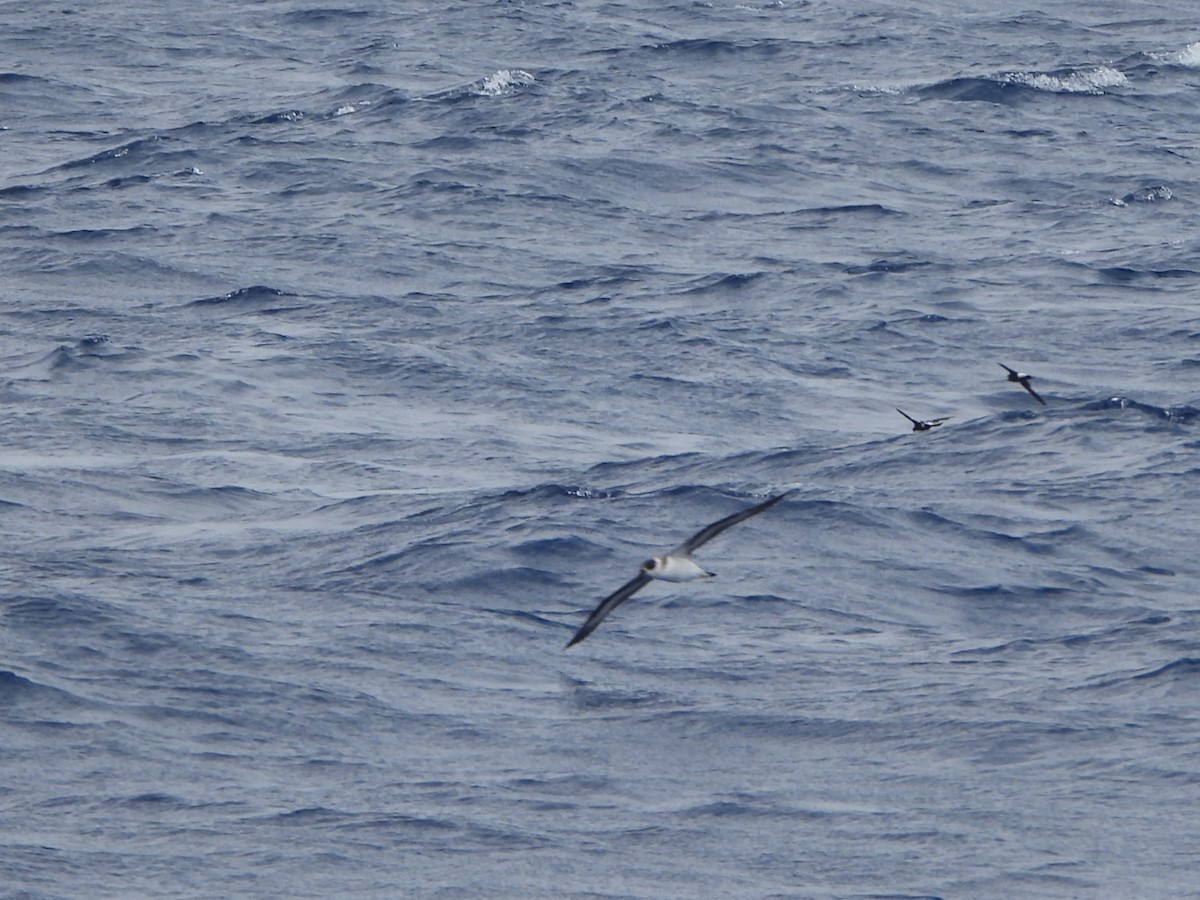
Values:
[(674, 566), (1023, 380), (918, 425)]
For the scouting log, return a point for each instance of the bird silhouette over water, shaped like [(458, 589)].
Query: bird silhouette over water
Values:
[(920, 425), (677, 565), (1023, 380)]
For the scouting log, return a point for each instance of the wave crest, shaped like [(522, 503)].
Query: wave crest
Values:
[(1070, 81), (504, 81)]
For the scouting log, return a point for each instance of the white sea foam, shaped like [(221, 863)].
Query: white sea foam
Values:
[(505, 81), (1081, 81), (1188, 56), (876, 89)]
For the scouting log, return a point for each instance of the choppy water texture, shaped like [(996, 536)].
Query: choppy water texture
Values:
[(349, 355)]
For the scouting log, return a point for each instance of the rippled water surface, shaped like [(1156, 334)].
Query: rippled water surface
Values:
[(350, 355)]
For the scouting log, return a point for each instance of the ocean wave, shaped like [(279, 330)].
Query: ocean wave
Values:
[(1185, 669), (1009, 87), (256, 296), (1153, 194), (715, 47), (1094, 80), (500, 83), (1188, 57), (1183, 414), (504, 81)]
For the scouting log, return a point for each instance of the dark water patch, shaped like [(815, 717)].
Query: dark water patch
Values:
[(350, 101), (65, 359), (552, 548), (641, 470), (1121, 632), (435, 184), (37, 700), (523, 616), (127, 181), (925, 318), (974, 89), (20, 78), (661, 324), (927, 518), (1154, 194), (1179, 415), (1185, 669), (52, 612), (554, 490), (570, 786), (257, 297), (769, 725), (583, 695), (719, 281), (1136, 626), (457, 143), (713, 48), (307, 815), (13, 686), (512, 580), (1156, 570), (722, 809), (150, 800), (136, 151), (283, 117), (607, 280), (888, 267), (768, 599), (501, 83), (1001, 591), (1176, 680), (323, 16), (1011, 88), (1129, 274), (867, 210), (1021, 133), (187, 501), (95, 344), (392, 821), (23, 192)]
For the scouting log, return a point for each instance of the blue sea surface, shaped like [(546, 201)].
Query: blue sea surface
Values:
[(350, 354)]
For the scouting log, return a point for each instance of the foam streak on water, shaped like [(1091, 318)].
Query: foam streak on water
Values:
[(350, 354)]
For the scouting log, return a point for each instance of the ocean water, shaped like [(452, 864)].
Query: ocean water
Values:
[(351, 353)]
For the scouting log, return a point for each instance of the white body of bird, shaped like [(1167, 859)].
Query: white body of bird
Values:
[(674, 568)]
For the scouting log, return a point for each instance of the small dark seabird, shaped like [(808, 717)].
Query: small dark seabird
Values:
[(1023, 380), (674, 566), (918, 425)]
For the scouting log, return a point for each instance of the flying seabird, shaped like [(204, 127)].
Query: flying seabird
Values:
[(1023, 380), (918, 425), (674, 566)]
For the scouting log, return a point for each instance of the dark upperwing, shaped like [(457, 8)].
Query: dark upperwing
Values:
[(1036, 396), (706, 534), (608, 604)]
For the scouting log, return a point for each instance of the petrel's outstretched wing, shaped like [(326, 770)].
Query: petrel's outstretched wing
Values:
[(608, 604), (1023, 380), (706, 534), (1034, 394), (907, 416)]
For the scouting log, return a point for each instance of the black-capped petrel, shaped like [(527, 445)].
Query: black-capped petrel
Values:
[(918, 425), (674, 566), (1023, 380)]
